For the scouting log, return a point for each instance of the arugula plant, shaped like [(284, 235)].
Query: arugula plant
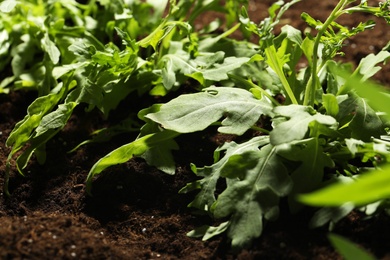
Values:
[(323, 129), (324, 126), (99, 53)]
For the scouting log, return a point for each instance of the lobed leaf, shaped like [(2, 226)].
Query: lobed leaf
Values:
[(195, 112), (207, 185), (361, 120), (292, 123), (309, 174), (253, 194)]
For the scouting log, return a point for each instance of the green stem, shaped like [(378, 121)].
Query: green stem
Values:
[(275, 64), (312, 83), (256, 128), (249, 84), (6, 177)]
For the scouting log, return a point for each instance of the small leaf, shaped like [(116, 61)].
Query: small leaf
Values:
[(51, 49), (331, 105), (367, 66), (330, 215), (207, 232), (349, 250)]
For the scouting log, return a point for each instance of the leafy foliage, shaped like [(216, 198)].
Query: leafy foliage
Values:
[(330, 125)]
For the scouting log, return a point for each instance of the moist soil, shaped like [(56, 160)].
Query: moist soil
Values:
[(135, 211)]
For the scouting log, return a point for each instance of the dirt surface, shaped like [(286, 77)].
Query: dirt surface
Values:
[(136, 211)]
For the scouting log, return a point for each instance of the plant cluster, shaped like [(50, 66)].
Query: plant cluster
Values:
[(329, 127)]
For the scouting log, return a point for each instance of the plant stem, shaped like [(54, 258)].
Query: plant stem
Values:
[(256, 128), (250, 84), (312, 83)]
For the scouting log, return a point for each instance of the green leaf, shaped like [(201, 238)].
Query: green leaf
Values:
[(253, 195), (51, 49), (276, 60), (330, 215), (207, 185), (195, 112), (219, 72), (56, 119), (35, 112), (361, 119), (310, 172), (331, 105), (8, 5), (207, 232), (35, 143), (367, 66), (349, 250), (292, 123), (128, 151), (159, 156), (157, 35), (369, 187), (374, 93)]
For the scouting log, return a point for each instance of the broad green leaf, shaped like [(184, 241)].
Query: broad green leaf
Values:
[(207, 185), (369, 187), (128, 151), (349, 250), (195, 112), (310, 172), (256, 181), (297, 119)]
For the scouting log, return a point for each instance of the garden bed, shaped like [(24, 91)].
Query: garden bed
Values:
[(136, 211)]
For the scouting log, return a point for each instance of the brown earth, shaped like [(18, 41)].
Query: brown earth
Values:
[(136, 211)]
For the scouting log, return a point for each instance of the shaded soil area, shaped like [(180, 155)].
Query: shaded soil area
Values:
[(136, 211)]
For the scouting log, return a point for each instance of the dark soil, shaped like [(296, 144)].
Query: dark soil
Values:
[(136, 211)]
